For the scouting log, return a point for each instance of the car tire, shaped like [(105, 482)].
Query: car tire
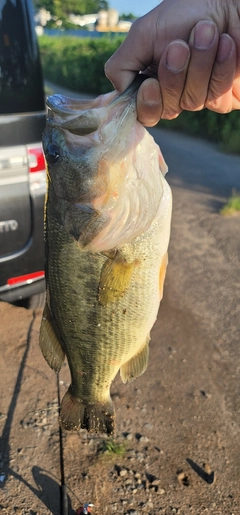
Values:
[(36, 301)]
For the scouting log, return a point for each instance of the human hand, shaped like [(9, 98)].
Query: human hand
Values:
[(191, 46)]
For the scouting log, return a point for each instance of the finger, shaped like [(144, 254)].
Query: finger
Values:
[(236, 93), (149, 102), (203, 43), (172, 75), (134, 54), (220, 97)]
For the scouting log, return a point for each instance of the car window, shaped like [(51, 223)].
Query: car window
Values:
[(21, 84)]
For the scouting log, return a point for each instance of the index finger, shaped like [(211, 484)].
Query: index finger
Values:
[(123, 65)]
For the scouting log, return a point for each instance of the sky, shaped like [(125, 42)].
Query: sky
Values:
[(137, 7)]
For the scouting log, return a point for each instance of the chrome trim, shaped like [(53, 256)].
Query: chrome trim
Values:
[(8, 287)]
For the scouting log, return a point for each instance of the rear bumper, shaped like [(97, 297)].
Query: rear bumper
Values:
[(26, 262), (21, 291)]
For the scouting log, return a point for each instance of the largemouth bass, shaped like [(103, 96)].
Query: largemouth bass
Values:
[(107, 228)]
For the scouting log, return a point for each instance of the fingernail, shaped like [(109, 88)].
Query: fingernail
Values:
[(225, 47), (204, 34), (177, 56), (151, 93)]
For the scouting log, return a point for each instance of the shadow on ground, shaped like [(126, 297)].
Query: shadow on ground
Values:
[(47, 488)]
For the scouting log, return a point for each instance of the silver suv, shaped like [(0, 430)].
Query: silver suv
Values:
[(22, 166)]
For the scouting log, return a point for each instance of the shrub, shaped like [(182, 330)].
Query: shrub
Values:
[(220, 128), (232, 206), (78, 63)]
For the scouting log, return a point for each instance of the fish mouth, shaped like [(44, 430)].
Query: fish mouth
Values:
[(84, 117), (131, 90)]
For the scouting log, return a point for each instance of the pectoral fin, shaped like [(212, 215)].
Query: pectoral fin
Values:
[(49, 343), (115, 279), (135, 366)]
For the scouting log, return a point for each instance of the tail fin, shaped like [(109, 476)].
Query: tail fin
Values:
[(96, 418)]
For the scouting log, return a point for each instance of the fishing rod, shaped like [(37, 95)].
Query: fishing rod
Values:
[(63, 488), (86, 509)]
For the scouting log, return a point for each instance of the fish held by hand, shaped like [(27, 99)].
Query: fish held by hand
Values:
[(107, 229)]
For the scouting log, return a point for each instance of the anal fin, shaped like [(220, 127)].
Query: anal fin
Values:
[(49, 343), (136, 365)]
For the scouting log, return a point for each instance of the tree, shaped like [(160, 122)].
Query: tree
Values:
[(62, 8), (44, 4), (127, 17)]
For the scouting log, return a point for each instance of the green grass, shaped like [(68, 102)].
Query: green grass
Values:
[(232, 206), (111, 448)]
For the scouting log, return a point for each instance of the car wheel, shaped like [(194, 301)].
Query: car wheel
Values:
[(36, 301)]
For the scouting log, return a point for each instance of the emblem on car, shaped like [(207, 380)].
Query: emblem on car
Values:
[(8, 225)]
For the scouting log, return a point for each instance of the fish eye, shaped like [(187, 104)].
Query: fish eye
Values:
[(52, 153)]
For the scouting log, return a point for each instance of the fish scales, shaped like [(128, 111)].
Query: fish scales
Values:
[(106, 237)]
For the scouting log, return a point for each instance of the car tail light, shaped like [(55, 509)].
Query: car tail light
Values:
[(37, 170), (36, 159), (28, 278)]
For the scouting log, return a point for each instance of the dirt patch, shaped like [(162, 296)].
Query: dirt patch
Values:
[(179, 444)]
